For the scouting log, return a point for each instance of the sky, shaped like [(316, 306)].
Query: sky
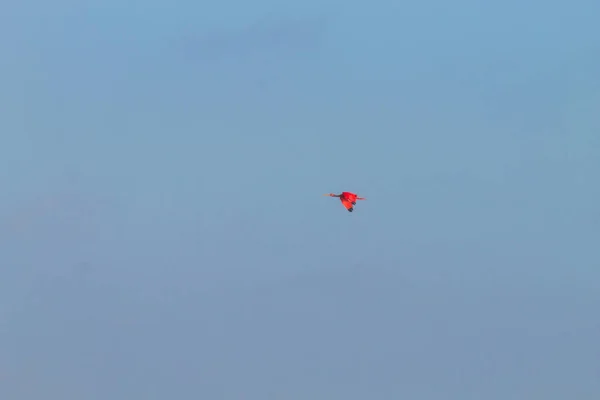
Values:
[(163, 233)]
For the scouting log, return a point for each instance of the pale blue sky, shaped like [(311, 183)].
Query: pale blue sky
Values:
[(163, 233)]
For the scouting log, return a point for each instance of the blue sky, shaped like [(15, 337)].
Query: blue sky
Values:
[(163, 233)]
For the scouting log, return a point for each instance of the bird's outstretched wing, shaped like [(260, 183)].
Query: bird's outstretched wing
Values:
[(346, 203)]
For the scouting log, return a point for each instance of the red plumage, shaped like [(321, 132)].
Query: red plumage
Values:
[(348, 199)]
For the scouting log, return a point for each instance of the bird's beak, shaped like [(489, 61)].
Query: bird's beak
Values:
[(326, 194)]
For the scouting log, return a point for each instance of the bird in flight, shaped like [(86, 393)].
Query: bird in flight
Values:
[(348, 199)]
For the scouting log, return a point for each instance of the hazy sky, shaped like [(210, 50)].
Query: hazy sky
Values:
[(163, 233)]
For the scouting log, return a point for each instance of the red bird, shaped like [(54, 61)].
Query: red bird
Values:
[(348, 199)]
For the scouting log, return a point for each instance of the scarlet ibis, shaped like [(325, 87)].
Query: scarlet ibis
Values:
[(348, 199)]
